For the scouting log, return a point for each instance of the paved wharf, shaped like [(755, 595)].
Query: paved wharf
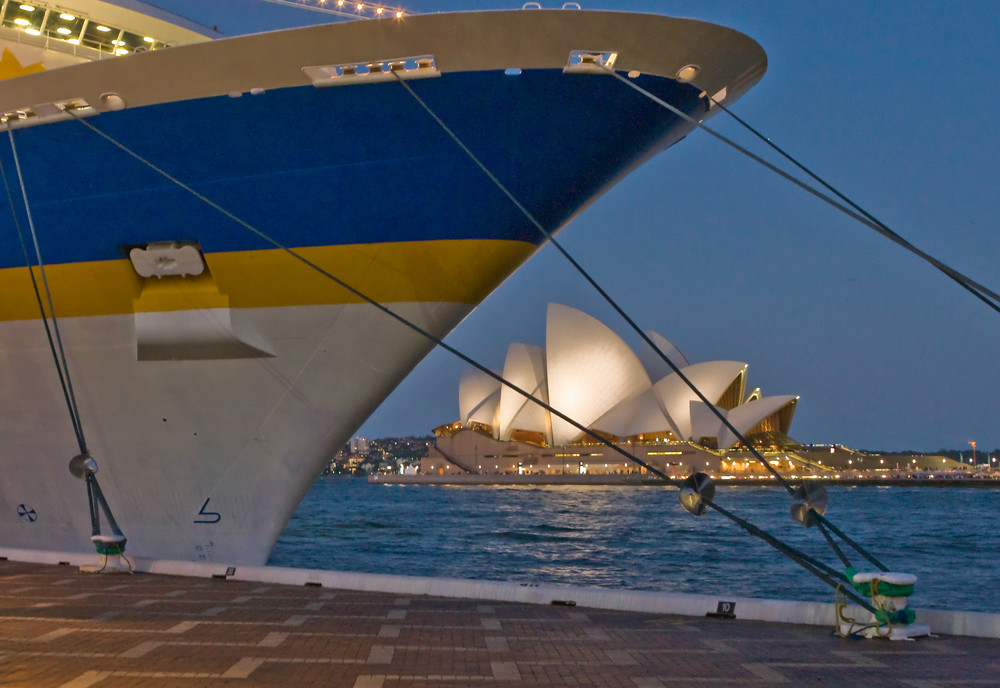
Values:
[(64, 629)]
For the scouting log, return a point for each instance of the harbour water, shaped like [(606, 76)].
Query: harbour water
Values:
[(640, 538)]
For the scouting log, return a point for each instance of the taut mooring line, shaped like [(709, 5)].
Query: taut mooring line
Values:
[(371, 301), (818, 569), (597, 287), (614, 304), (984, 294), (966, 282), (62, 366), (822, 571)]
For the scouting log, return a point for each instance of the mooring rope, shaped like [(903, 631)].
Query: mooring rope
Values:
[(62, 367), (371, 301), (977, 289), (820, 570), (597, 287), (825, 522), (824, 572), (38, 299), (984, 294), (614, 304)]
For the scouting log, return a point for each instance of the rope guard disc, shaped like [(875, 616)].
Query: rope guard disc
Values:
[(82, 465), (695, 489), (808, 501)]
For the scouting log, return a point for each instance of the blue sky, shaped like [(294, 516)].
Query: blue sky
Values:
[(896, 104)]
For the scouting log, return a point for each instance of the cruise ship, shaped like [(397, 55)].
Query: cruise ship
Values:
[(177, 203)]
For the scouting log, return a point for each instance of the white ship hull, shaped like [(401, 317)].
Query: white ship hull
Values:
[(204, 460), (212, 400)]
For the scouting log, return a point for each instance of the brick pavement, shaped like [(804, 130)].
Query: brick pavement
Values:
[(63, 629)]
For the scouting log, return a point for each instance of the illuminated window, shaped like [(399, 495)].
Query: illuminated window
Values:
[(64, 25), (133, 42), (15, 16), (101, 37)]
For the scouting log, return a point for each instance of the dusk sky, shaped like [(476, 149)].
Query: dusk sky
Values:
[(896, 104)]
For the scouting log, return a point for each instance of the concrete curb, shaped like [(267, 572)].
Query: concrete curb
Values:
[(960, 623)]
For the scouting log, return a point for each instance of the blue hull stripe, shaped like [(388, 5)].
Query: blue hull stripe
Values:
[(332, 166)]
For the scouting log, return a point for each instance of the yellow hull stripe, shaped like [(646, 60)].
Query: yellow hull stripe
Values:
[(454, 271)]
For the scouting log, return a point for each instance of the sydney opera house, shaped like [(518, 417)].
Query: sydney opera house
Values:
[(636, 400)]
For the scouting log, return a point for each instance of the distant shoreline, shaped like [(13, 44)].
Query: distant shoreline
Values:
[(638, 479)]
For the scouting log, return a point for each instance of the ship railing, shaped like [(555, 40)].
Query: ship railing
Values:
[(55, 44)]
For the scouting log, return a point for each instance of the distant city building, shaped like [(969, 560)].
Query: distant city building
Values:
[(361, 456)]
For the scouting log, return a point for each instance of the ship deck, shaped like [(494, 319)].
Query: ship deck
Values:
[(62, 628)]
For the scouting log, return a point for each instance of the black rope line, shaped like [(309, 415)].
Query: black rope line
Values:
[(864, 218), (824, 572), (38, 299), (827, 574), (858, 548), (607, 297), (371, 301), (96, 496), (62, 367), (833, 543), (613, 303), (964, 281), (984, 294)]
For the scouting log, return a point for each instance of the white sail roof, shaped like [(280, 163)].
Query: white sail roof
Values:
[(533, 418), (652, 361), (704, 422), (635, 416), (744, 417), (712, 378), (524, 367), (588, 373), (478, 396), (590, 369)]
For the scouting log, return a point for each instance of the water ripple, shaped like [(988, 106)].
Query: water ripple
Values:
[(639, 537)]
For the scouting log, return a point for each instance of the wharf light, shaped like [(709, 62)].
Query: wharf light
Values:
[(67, 17), (27, 8), (102, 27), (20, 21), (63, 30), (148, 39), (33, 32)]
